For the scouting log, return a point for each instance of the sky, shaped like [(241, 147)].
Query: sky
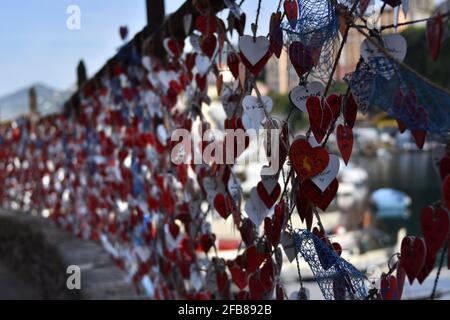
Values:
[(37, 46)]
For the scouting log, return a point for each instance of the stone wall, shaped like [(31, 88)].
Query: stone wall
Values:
[(39, 253)]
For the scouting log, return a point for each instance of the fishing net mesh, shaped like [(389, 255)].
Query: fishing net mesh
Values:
[(316, 28), (337, 279), (404, 95)]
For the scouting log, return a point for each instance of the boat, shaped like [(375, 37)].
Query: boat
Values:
[(390, 202)]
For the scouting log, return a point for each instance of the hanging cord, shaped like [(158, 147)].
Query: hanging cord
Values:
[(255, 25), (441, 263), (341, 49)]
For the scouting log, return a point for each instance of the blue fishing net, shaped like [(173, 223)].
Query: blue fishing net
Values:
[(385, 84), (317, 28), (337, 279)]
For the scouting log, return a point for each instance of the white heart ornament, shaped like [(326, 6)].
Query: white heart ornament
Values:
[(256, 210), (162, 135), (288, 245), (324, 179), (254, 113), (187, 23), (300, 94), (254, 50), (202, 63), (395, 44), (195, 43), (269, 181)]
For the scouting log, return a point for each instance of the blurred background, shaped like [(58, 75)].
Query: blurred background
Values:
[(382, 190)]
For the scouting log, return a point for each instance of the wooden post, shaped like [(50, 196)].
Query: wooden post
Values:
[(155, 14)]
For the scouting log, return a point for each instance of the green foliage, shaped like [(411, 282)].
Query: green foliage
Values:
[(419, 58)]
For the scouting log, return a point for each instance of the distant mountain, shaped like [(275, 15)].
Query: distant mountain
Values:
[(17, 104)]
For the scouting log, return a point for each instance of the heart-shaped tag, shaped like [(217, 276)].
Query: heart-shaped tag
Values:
[(446, 191), (208, 45), (123, 32), (233, 64), (306, 160), (291, 11), (304, 208), (254, 51), (255, 208), (223, 205), (320, 117), (301, 58), (435, 36), (254, 113), (435, 226), (202, 63), (344, 137), (395, 44), (288, 244), (321, 199), (389, 288), (269, 181), (300, 94), (173, 47), (267, 198), (324, 179), (254, 257), (350, 111), (187, 23), (413, 254), (238, 275)]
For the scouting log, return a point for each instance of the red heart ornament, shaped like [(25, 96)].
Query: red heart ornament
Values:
[(207, 242), (306, 160), (304, 209), (253, 258), (266, 276), (419, 138), (435, 226), (233, 63), (247, 231), (350, 111), (320, 117), (291, 11), (413, 255), (276, 41), (257, 68), (446, 191), (435, 35), (123, 32), (401, 275), (320, 199), (272, 230), (223, 205), (208, 45), (206, 24), (444, 166), (345, 141), (238, 275), (268, 199), (427, 268), (301, 58), (389, 288), (256, 287)]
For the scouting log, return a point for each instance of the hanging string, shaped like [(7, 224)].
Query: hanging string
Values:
[(255, 25), (441, 263), (341, 48)]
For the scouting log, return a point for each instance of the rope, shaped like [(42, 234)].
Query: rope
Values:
[(441, 263)]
